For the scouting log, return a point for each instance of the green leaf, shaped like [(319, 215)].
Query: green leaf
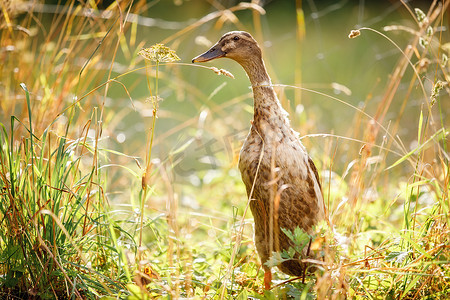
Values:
[(243, 295), (136, 292), (288, 233), (441, 134), (411, 284), (416, 246), (275, 260), (397, 256), (269, 295), (299, 237)]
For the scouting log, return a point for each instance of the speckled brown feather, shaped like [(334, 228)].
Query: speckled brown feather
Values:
[(283, 185)]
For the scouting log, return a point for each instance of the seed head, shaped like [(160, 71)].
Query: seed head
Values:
[(222, 72), (429, 31), (444, 60), (438, 86), (423, 42), (159, 53), (421, 16), (354, 33)]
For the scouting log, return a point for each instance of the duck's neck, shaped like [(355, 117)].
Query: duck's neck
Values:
[(267, 108), (256, 71)]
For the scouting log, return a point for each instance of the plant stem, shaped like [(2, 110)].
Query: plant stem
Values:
[(149, 152)]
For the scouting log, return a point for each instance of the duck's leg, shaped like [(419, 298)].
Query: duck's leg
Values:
[(267, 279)]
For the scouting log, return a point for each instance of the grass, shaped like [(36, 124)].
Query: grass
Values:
[(82, 215)]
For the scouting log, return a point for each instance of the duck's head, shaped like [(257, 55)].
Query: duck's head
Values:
[(237, 45)]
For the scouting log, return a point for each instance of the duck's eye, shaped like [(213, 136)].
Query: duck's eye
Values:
[(236, 38)]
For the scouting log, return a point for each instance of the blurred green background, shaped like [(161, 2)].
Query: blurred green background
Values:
[(203, 118)]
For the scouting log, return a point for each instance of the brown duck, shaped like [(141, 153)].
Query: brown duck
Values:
[(281, 179)]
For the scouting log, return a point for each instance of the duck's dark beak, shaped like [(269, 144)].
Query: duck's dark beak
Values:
[(213, 53)]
